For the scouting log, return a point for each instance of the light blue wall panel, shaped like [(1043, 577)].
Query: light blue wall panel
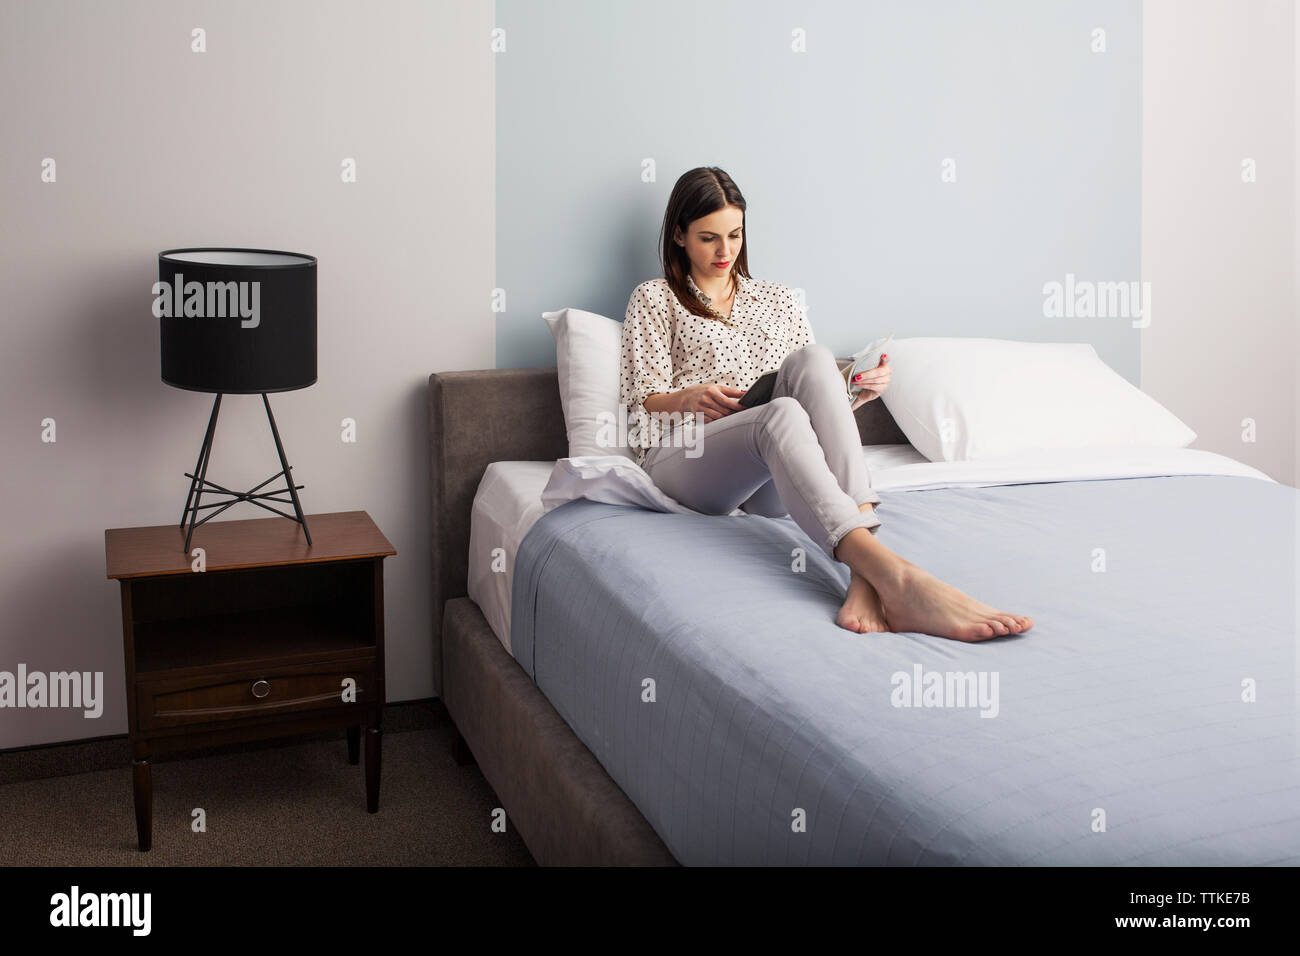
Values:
[(838, 151)]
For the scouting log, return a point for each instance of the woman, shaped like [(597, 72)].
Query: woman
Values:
[(694, 341)]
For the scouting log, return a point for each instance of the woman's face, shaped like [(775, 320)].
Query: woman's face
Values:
[(713, 241)]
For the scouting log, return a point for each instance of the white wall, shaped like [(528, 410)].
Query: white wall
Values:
[(1219, 86), (158, 147)]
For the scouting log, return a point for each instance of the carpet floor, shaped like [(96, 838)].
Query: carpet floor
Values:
[(282, 805)]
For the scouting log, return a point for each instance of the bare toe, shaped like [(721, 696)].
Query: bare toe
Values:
[(862, 612)]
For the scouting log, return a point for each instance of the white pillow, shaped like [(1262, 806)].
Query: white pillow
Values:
[(960, 399), (587, 349)]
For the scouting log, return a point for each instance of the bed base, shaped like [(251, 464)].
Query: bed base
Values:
[(555, 793)]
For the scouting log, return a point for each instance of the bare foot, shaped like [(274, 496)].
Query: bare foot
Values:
[(862, 612), (915, 600)]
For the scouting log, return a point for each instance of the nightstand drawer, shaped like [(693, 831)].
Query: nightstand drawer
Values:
[(203, 700)]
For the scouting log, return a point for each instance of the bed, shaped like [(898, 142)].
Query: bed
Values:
[(1139, 723)]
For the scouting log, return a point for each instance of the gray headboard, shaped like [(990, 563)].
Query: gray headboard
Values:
[(512, 414)]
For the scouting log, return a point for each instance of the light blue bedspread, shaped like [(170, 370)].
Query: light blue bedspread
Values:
[(1148, 718)]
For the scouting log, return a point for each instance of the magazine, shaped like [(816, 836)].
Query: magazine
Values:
[(863, 361)]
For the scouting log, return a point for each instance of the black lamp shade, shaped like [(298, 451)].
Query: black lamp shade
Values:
[(266, 339)]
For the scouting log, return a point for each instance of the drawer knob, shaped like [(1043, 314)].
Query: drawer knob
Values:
[(261, 688)]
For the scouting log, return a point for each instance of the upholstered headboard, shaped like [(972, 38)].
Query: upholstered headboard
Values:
[(514, 414)]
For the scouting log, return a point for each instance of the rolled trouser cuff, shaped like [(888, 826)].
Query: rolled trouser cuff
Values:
[(869, 498), (865, 519)]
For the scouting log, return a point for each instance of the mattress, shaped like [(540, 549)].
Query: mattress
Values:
[(509, 497), (1149, 717)]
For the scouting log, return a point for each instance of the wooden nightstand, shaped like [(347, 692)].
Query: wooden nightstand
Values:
[(274, 638)]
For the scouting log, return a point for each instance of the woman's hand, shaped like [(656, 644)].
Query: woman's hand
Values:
[(873, 381), (710, 401)]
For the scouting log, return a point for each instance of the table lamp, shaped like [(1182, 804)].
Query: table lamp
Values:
[(238, 322)]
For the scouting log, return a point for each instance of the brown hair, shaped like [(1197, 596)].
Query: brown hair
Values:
[(698, 193)]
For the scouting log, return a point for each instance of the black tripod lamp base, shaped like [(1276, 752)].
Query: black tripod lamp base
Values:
[(199, 484)]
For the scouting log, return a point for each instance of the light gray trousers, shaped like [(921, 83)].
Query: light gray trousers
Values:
[(799, 454)]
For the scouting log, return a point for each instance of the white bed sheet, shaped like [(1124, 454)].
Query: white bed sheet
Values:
[(903, 468), (514, 494), (508, 502)]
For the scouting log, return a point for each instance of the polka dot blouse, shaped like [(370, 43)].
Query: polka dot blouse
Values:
[(667, 348)]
